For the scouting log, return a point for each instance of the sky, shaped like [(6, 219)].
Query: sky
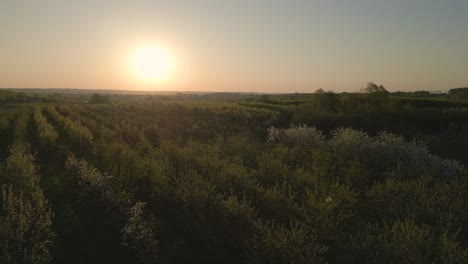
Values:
[(238, 45)]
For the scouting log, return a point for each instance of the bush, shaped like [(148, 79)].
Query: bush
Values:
[(294, 243)]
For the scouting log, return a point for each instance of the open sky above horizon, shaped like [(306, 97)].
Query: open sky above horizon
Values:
[(246, 46)]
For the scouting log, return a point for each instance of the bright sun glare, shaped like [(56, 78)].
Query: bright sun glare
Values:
[(151, 63)]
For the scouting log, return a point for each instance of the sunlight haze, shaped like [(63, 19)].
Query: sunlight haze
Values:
[(151, 63), (246, 46)]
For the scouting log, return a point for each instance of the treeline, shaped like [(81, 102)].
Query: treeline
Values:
[(12, 97), (100, 97), (38, 96)]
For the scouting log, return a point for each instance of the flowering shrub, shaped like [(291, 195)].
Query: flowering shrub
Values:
[(296, 135)]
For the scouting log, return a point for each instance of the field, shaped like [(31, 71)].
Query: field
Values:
[(233, 178)]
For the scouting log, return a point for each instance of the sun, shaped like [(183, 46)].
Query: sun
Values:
[(151, 63)]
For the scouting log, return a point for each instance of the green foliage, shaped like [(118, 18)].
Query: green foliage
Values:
[(97, 98), (21, 124), (137, 233), (328, 207), (47, 134), (4, 122), (398, 242), (12, 97), (251, 181), (373, 88), (450, 250), (296, 135), (99, 183), (78, 133), (26, 217), (458, 93), (293, 243)]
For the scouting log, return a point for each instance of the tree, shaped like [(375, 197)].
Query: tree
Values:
[(26, 216), (458, 93), (373, 88), (320, 91), (97, 98)]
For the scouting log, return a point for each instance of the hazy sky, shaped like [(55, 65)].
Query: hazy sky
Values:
[(261, 46)]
